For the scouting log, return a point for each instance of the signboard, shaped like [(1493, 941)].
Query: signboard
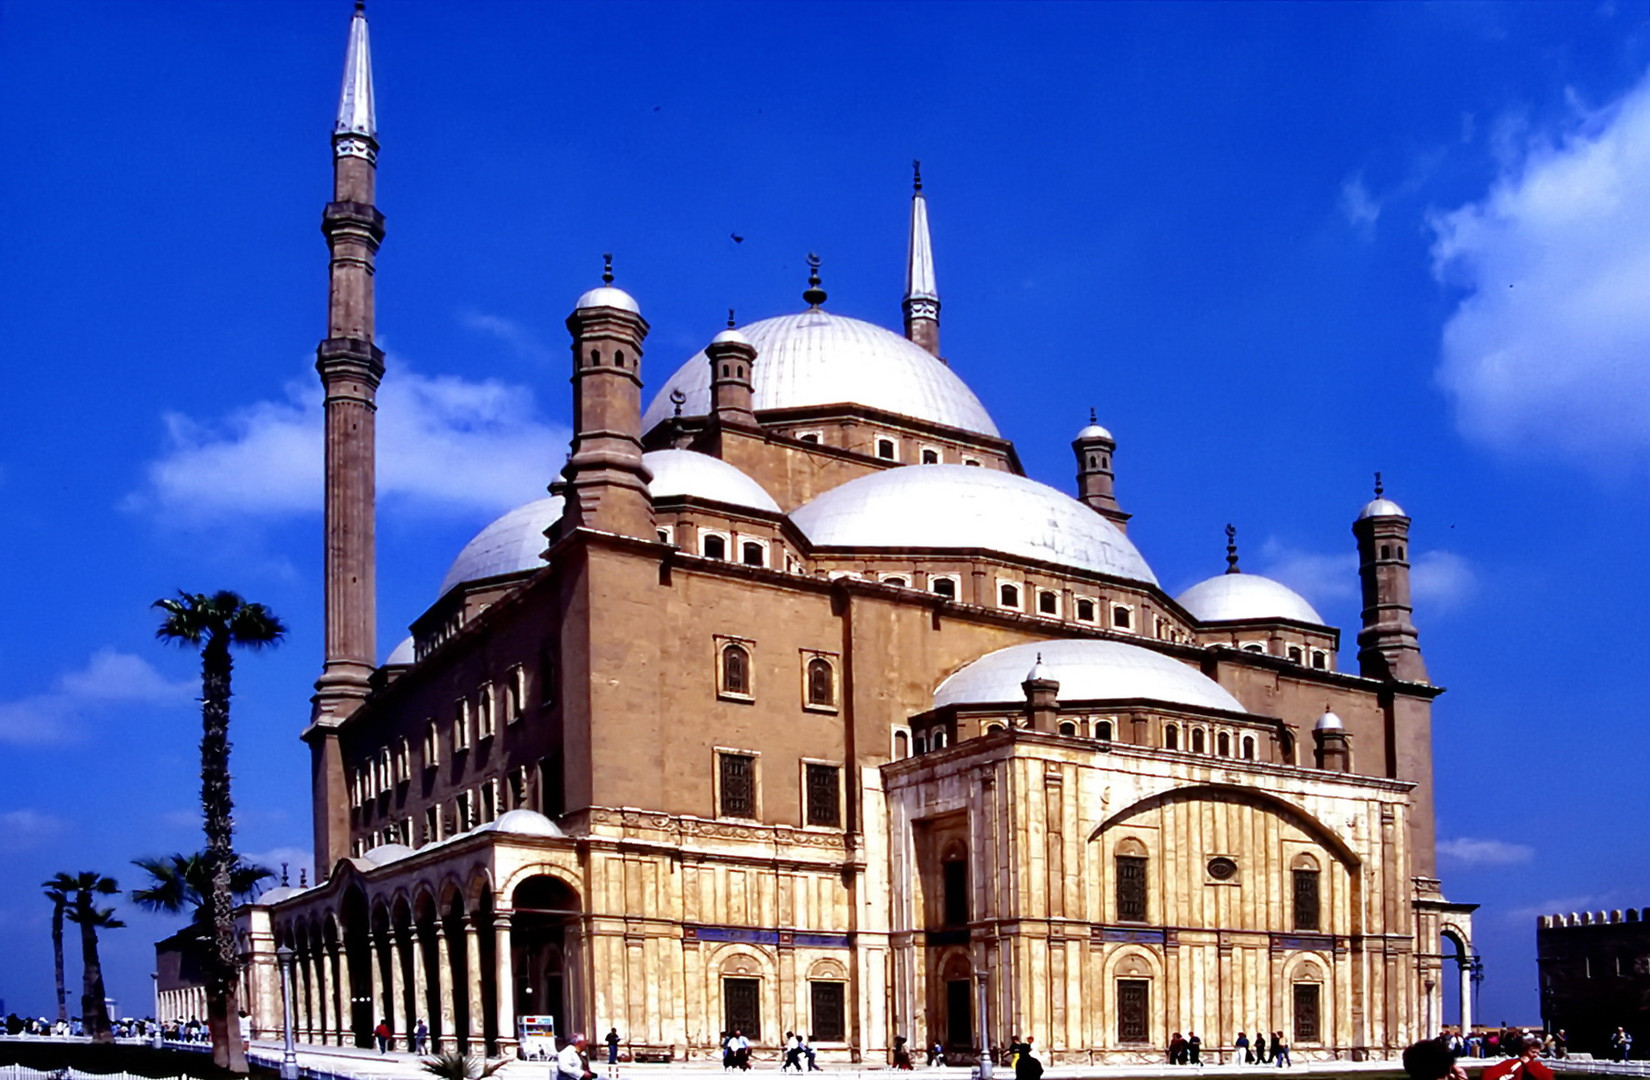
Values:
[(538, 1037)]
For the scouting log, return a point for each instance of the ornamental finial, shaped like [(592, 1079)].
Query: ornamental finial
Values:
[(1092, 418), (678, 399), (303, 878), (1379, 489), (607, 269), (283, 865), (730, 318), (814, 295), (916, 175), (1231, 550)]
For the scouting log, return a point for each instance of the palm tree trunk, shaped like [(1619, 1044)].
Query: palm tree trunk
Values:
[(94, 1008), (57, 958), (217, 811)]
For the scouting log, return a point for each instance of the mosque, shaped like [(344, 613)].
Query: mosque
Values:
[(796, 705)]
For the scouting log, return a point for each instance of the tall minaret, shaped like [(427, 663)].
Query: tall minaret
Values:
[(922, 296), (1094, 447), (351, 367), (1388, 645)]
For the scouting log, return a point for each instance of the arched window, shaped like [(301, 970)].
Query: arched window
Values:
[(1294, 654), (725, 370), (1085, 611), (736, 670), (821, 682), (595, 357), (1067, 727), (902, 745), (1197, 740), (1400, 551), (1048, 603), (1171, 737), (898, 581), (1319, 661), (1248, 748), (930, 457), (921, 744), (944, 586), (1386, 551), (954, 888), (1102, 731), (1223, 744), (1121, 618), (1286, 748), (754, 554), (618, 357), (885, 449), (937, 739), (714, 547), (1008, 595)]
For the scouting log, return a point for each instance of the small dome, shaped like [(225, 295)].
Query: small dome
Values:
[(1381, 507), (1088, 671), (687, 472), (730, 335), (817, 358), (384, 854), (609, 297), (1039, 671), (403, 653), (270, 897), (1329, 722), (958, 506), (513, 542), (522, 823), (1247, 598), (1095, 431)]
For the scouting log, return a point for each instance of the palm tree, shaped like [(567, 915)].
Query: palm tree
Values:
[(94, 1009), (180, 884), (59, 889), (214, 624)]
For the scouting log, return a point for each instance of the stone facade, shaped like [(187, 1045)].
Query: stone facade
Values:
[(1595, 976), (693, 765)]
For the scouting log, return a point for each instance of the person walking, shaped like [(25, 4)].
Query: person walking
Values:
[(1280, 1049), (613, 1046), (1177, 1049), (1260, 1047), (1194, 1049), (793, 1051), (382, 1034), (902, 1054), (421, 1037), (808, 1051), (1240, 1050)]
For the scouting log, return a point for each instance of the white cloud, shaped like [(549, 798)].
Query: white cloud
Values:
[(1362, 209), (1545, 352), (443, 443), (21, 829), (1468, 851), (296, 859), (109, 678), (1441, 580), (1322, 579), (516, 336)]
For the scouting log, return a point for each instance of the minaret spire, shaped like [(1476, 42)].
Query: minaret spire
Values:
[(350, 365), (1231, 550), (922, 295)]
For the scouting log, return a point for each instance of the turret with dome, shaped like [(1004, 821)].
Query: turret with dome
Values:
[(794, 702)]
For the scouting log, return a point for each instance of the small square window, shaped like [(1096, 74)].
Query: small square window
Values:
[(1008, 596), (1319, 660), (885, 449), (1048, 603), (713, 546), (752, 553), (1085, 610), (1121, 617), (738, 785)]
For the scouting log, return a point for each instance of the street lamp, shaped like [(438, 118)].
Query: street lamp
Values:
[(284, 956)]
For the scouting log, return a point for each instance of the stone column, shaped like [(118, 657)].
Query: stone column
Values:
[(420, 985), (1466, 993), (398, 990), (375, 947), (447, 989), (504, 979), (474, 1029), (305, 973)]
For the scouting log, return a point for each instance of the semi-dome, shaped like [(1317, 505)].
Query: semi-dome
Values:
[(1086, 670), (513, 542), (608, 296), (817, 358), (959, 506), (1248, 598), (1381, 507), (687, 472)]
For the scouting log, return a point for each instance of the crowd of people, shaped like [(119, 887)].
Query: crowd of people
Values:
[(124, 1028)]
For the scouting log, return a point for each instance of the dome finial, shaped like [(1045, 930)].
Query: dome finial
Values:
[(607, 268), (916, 175), (1379, 489), (730, 318), (814, 295), (1093, 419), (1231, 550), (303, 878), (678, 399), (283, 865)]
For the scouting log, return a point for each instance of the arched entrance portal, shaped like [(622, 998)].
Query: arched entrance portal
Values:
[(546, 944), (358, 961), (1469, 971)]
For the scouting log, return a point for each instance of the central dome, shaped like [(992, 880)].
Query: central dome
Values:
[(1086, 671), (955, 506), (816, 358)]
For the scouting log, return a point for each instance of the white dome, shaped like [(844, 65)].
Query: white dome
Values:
[(384, 854), (1329, 722), (816, 358), (273, 896), (730, 336), (1086, 671), (522, 823), (959, 506), (686, 472), (513, 542), (1381, 508), (404, 653), (1094, 431), (608, 296), (1247, 597)]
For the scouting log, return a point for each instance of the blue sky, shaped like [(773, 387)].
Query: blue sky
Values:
[(1277, 247)]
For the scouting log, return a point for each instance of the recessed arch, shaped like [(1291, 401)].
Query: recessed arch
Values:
[(1285, 809)]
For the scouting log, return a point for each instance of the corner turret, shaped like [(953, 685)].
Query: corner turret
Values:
[(1388, 645), (1094, 447)]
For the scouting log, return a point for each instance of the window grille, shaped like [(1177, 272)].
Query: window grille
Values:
[(738, 785)]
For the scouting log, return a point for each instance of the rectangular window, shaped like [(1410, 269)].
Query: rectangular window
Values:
[(484, 714), (467, 810), (1306, 900), (489, 800), (552, 786), (1133, 1010), (403, 762), (516, 793), (1306, 1012), (515, 693), (954, 892), (1131, 888), (742, 1007), (432, 746), (824, 795), (432, 824), (461, 724), (738, 785), (830, 1012)]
